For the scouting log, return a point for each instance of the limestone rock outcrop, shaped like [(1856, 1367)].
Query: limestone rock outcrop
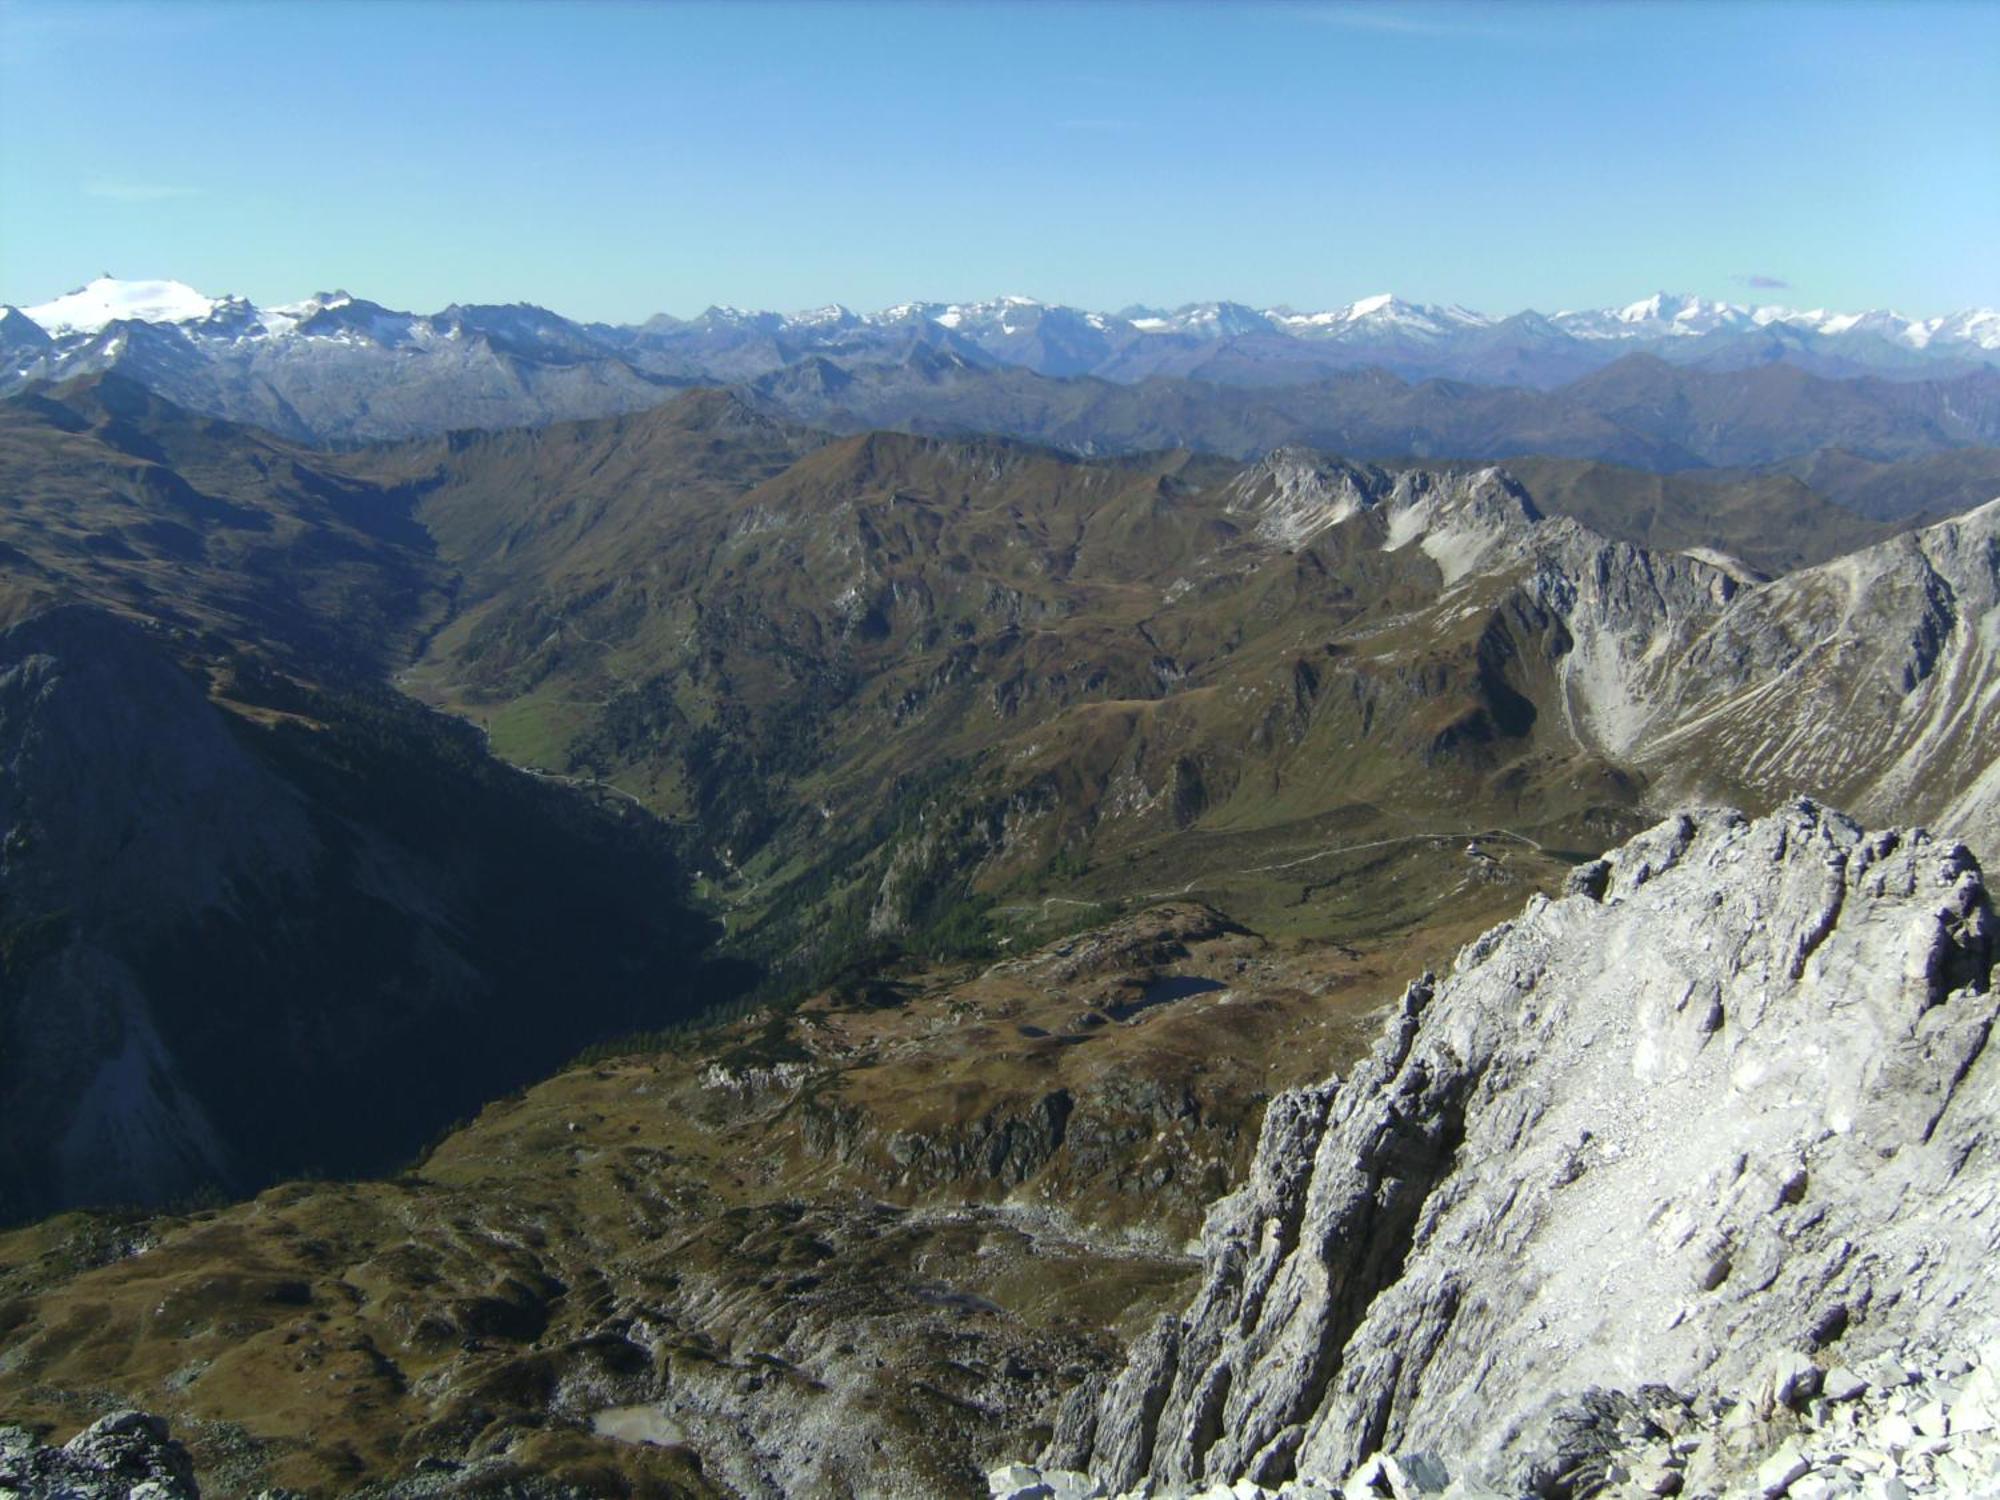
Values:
[(1729, 1098), (128, 1455), (1917, 1423)]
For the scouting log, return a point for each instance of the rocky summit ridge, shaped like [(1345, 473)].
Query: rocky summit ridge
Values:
[(1717, 1121)]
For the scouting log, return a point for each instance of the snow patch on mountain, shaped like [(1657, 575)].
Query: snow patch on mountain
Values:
[(1662, 315), (97, 304), (1382, 313)]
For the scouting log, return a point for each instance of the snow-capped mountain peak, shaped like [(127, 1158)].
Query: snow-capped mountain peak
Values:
[(318, 302), (1662, 315), (1384, 312), (276, 322), (1647, 310), (96, 305), (1979, 326), (1209, 320), (965, 314), (832, 315)]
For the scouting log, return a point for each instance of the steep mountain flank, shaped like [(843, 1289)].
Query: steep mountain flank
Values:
[(209, 905), (130, 810), (111, 496), (1731, 1099), (1874, 678)]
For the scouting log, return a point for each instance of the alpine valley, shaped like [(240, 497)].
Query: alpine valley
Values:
[(993, 898)]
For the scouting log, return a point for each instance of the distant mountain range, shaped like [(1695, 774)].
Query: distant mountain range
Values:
[(1639, 411), (1667, 384), (1224, 341)]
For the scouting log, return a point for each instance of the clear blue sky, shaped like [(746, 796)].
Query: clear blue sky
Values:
[(612, 160)]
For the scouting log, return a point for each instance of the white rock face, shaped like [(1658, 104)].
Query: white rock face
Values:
[(1732, 1100), (1872, 680), (1296, 493), (1465, 523)]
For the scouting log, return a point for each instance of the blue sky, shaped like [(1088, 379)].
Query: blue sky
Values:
[(613, 160)]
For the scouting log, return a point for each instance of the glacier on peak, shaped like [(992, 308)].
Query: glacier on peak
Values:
[(97, 304)]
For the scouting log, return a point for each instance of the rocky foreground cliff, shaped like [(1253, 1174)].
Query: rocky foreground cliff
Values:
[(1719, 1119)]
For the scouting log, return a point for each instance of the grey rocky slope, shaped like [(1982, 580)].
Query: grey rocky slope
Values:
[(1870, 679), (1730, 1098), (125, 1456), (1912, 1422)]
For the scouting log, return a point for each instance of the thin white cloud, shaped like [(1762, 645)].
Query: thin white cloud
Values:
[(1392, 19), (32, 32), (137, 192)]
